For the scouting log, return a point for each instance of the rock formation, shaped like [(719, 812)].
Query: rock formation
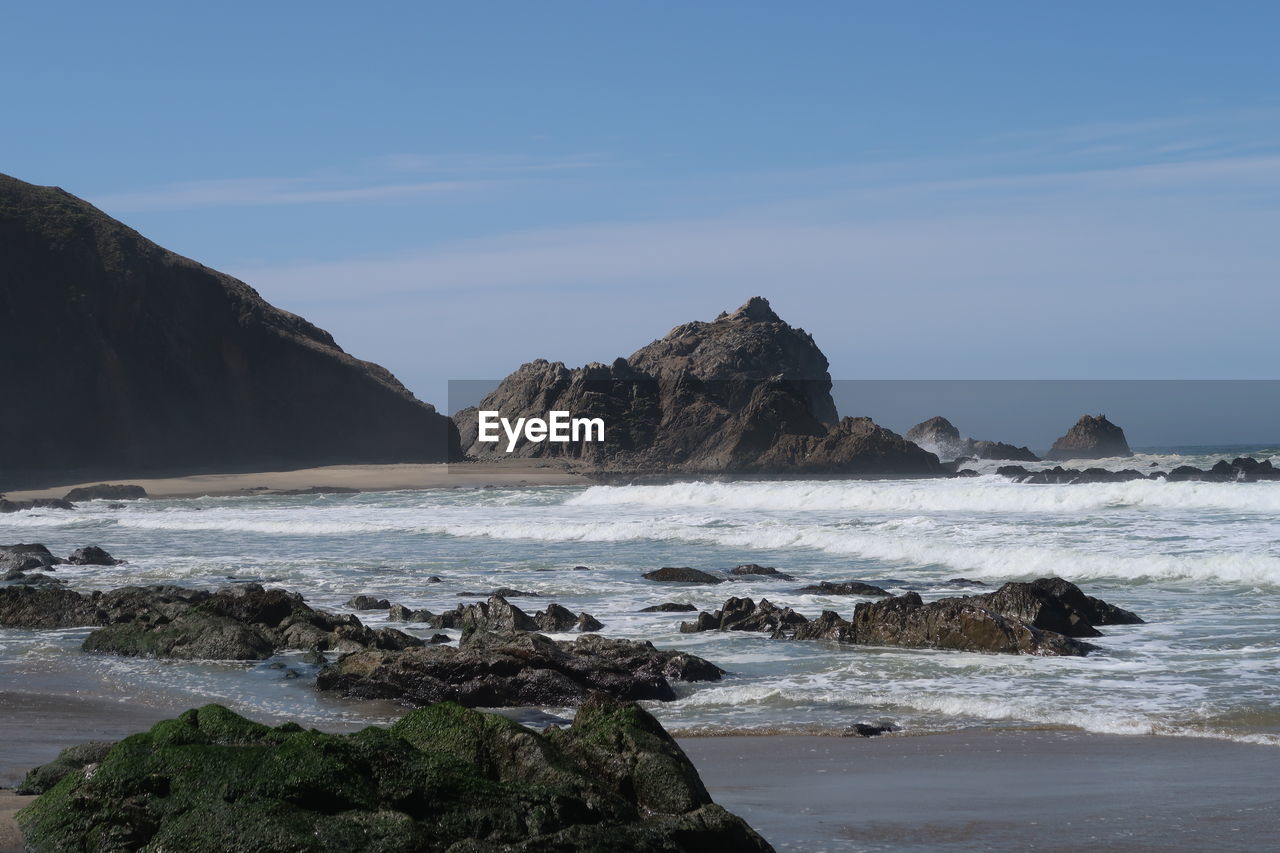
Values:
[(1043, 617), (746, 393), (441, 778), (1092, 437), (139, 360), (510, 668), (242, 622), (939, 436)]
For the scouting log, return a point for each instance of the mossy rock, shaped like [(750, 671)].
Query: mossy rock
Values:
[(444, 778)]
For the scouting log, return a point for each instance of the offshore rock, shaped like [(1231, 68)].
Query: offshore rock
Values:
[(1092, 437), (441, 778), (746, 393)]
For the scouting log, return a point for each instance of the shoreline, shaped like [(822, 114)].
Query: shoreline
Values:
[(360, 478), (1028, 788)]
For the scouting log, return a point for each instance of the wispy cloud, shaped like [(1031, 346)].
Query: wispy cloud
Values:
[(382, 179)]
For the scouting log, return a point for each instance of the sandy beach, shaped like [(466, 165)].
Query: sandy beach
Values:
[(364, 478), (988, 789)]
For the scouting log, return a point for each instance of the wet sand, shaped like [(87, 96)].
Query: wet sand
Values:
[(364, 478), (964, 791)]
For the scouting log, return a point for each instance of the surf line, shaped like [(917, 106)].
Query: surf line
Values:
[(558, 426)]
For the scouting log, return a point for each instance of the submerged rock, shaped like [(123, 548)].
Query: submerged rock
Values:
[(1092, 437), (243, 622), (7, 505), (1060, 476), (684, 574), (842, 588), (442, 778), (766, 571), (669, 607), (106, 491), (515, 668)]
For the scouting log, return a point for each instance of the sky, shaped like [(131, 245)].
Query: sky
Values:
[(935, 190)]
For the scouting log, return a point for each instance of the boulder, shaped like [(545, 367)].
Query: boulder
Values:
[(92, 555), (588, 623), (1060, 476), (442, 778), (241, 622), (1092, 437), (515, 668), (753, 569), (106, 492), (668, 607), (25, 558), (164, 364), (38, 503), (1053, 604), (368, 602), (685, 574), (743, 614), (746, 393), (1000, 450), (842, 588), (959, 624)]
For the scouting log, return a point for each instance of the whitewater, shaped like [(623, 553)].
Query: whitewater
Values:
[(1199, 561)]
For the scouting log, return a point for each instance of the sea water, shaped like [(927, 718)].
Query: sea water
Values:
[(1199, 561)]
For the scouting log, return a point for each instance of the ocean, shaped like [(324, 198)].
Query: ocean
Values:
[(1199, 561)]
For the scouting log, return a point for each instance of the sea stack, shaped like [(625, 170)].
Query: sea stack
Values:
[(746, 393), (126, 358), (941, 437), (1092, 437)]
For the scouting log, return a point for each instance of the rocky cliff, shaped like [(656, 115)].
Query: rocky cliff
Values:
[(121, 358), (746, 393)]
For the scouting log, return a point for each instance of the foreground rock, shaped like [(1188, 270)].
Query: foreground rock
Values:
[(106, 492), (26, 557), (515, 668), (243, 622), (7, 505), (129, 358), (940, 436), (1043, 617), (1092, 437), (442, 778), (746, 393)]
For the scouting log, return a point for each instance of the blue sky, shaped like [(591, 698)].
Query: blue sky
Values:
[(935, 190)]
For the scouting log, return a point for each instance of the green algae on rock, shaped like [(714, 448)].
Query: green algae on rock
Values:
[(443, 778)]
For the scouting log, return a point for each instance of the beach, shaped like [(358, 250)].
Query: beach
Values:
[(363, 478)]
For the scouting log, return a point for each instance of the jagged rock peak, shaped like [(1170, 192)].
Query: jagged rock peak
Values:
[(1092, 437)]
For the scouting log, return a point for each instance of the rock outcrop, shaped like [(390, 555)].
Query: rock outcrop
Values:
[(746, 393), (1043, 617), (441, 778), (1092, 437), (681, 574), (241, 622), (842, 588), (107, 492), (166, 365), (494, 669), (938, 435)]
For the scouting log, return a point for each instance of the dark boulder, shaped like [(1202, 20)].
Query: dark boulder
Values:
[(668, 607), (842, 588), (1053, 604), (368, 602), (959, 624), (753, 569), (26, 557), (868, 730), (515, 668), (442, 778), (1092, 437), (1000, 450), (743, 614), (588, 623), (671, 574), (92, 555), (106, 492)]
